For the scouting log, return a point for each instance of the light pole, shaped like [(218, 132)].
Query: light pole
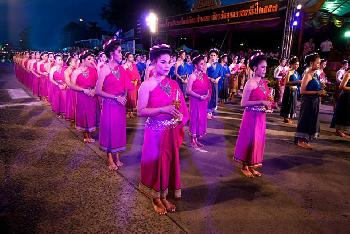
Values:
[(292, 21), (152, 23)]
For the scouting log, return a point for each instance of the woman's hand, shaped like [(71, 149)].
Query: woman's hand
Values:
[(121, 100), (268, 104), (171, 110)]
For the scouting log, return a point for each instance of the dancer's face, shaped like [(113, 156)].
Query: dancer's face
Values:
[(117, 54), (201, 66), (346, 66), (103, 58), (213, 57), (295, 66), (73, 63), (183, 55), (51, 58), (260, 70), (283, 62), (163, 65), (59, 61), (89, 60), (131, 58), (324, 65), (224, 59), (37, 55), (316, 64), (45, 57)]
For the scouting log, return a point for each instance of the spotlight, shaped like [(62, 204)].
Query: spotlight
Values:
[(299, 6), (297, 14), (295, 23)]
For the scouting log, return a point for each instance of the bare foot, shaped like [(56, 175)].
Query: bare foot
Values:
[(199, 144), (170, 207), (120, 164), (158, 206), (247, 173), (255, 172), (341, 134), (112, 167)]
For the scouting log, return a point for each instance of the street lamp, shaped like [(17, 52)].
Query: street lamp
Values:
[(152, 23), (347, 34), (81, 20)]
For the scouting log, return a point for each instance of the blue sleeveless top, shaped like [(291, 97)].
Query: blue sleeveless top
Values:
[(295, 76), (314, 84), (215, 73), (182, 70)]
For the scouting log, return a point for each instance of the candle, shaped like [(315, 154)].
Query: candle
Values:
[(177, 95)]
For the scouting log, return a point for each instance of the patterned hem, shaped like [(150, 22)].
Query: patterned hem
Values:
[(92, 129), (307, 136), (158, 194), (342, 127), (112, 150), (196, 135), (248, 164)]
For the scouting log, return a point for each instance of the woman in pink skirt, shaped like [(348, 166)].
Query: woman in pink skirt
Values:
[(135, 81), (35, 75), (71, 99), (112, 86), (49, 65), (199, 90), (59, 86), (84, 81), (162, 102), (250, 144), (43, 75)]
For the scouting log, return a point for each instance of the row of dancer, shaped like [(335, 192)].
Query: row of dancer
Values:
[(162, 103)]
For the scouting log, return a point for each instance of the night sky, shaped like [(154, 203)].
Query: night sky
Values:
[(47, 17)]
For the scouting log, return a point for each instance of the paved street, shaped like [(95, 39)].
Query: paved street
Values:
[(51, 182)]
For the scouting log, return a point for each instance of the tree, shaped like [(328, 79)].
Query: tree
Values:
[(24, 38), (124, 14)]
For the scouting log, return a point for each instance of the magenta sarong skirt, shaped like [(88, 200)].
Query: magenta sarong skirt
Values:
[(112, 126), (71, 103), (58, 100), (86, 112), (250, 144), (198, 117)]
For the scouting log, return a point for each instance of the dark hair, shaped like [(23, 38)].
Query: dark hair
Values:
[(256, 58), (69, 60), (85, 54), (127, 54), (180, 52), (214, 50), (323, 60), (110, 46), (293, 60), (58, 55), (43, 53), (344, 62), (311, 58), (281, 59), (196, 58), (223, 56), (157, 50)]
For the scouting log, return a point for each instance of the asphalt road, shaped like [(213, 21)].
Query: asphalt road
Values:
[(51, 182)]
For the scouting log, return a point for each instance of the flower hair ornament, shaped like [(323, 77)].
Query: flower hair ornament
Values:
[(259, 53), (214, 50), (83, 53), (107, 43), (160, 46)]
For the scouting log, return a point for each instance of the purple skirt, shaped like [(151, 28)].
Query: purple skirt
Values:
[(35, 85), (71, 102), (112, 126), (86, 112), (250, 144), (43, 85), (198, 117), (58, 100)]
